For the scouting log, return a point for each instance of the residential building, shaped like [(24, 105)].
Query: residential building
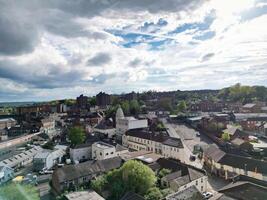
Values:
[(235, 132), (6, 174), (101, 151), (157, 142), (246, 189), (207, 106), (82, 101), (189, 193), (124, 124), (183, 176), (81, 152), (253, 123), (132, 196), (21, 159), (242, 144), (251, 108), (83, 195), (47, 159), (230, 165), (7, 123), (72, 176), (48, 126), (103, 99)]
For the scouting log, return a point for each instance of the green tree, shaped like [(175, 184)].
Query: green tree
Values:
[(18, 192), (125, 107), (182, 106), (163, 172), (132, 176), (165, 192), (226, 136), (76, 135), (153, 194), (137, 177), (134, 107), (166, 104), (99, 184), (92, 101)]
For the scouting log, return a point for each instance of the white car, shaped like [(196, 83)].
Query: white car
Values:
[(207, 195), (48, 171)]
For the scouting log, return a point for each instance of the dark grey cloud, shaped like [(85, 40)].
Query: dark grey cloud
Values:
[(23, 21), (55, 78), (207, 56), (99, 59), (135, 62), (17, 35)]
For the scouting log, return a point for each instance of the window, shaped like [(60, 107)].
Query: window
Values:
[(100, 153), (201, 180), (196, 182), (201, 188), (111, 152), (106, 154)]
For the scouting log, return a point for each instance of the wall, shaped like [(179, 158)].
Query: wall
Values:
[(81, 153)]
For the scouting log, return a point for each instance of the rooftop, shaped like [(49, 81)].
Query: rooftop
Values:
[(72, 172), (132, 196), (103, 145), (245, 190), (236, 161), (189, 193), (84, 195), (161, 137)]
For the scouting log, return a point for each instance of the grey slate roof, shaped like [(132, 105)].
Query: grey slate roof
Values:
[(161, 137), (72, 172), (245, 190), (236, 161), (215, 153), (132, 196), (189, 193)]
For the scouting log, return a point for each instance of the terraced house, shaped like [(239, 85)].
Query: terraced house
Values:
[(156, 142)]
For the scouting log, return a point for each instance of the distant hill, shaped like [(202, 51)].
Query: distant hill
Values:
[(15, 104)]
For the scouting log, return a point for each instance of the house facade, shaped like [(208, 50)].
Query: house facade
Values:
[(81, 152), (73, 176), (228, 166), (159, 143)]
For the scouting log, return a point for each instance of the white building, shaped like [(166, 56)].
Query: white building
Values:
[(7, 123), (101, 151), (81, 152), (124, 124), (156, 142), (48, 126), (47, 159)]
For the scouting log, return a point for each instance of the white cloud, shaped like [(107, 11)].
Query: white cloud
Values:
[(61, 56)]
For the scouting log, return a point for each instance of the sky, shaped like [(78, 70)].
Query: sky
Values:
[(57, 49)]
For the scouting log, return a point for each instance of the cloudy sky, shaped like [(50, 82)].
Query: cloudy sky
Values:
[(56, 49)]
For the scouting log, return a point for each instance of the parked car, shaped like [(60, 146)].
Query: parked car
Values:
[(48, 171), (60, 164), (192, 158), (207, 195)]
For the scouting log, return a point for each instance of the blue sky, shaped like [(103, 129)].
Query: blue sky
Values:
[(58, 49)]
